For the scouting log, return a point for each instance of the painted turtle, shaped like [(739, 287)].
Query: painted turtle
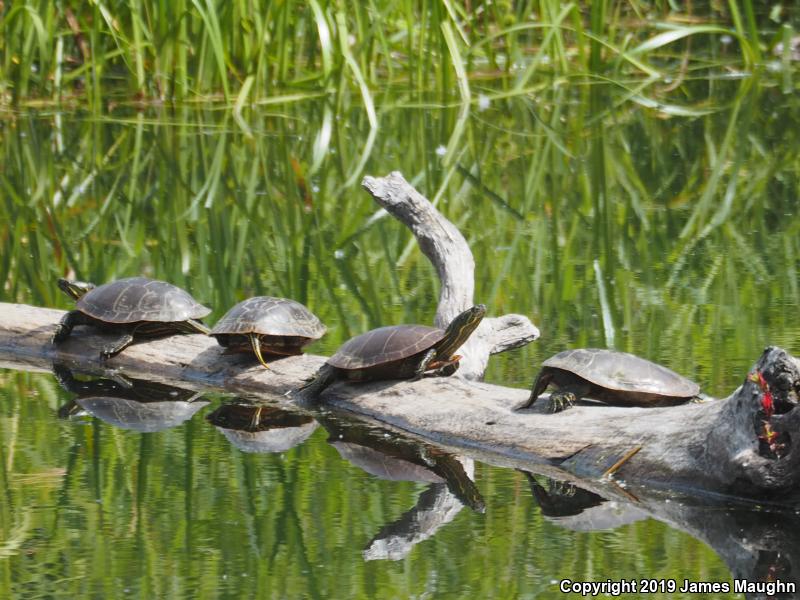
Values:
[(609, 376), (270, 325), (398, 352), (136, 307)]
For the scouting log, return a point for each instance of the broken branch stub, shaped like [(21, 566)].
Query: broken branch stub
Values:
[(450, 254), (747, 443)]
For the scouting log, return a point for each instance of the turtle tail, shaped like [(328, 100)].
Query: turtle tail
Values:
[(317, 383), (256, 344)]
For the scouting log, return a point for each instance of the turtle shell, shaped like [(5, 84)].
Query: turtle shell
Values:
[(623, 372), (385, 345), (266, 315), (140, 299)]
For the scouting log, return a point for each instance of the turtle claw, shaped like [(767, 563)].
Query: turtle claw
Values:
[(561, 401), (450, 368)]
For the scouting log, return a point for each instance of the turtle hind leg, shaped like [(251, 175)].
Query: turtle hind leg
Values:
[(315, 384), (117, 346), (539, 385)]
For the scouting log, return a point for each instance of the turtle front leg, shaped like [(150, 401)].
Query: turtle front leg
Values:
[(67, 323), (419, 372), (561, 400), (449, 368)]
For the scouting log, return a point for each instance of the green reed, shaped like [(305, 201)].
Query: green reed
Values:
[(691, 215), (102, 53)]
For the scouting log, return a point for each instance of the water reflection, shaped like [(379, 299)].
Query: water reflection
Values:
[(577, 509), (758, 546), (135, 404), (389, 456), (255, 427)]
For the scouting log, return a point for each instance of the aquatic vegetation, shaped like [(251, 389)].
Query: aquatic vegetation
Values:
[(240, 53)]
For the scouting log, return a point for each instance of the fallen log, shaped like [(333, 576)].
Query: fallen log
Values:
[(730, 446)]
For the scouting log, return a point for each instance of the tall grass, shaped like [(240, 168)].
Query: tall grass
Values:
[(112, 51)]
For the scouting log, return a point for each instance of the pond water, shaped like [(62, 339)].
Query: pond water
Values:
[(612, 223)]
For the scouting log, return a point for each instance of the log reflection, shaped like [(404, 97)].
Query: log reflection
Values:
[(389, 456)]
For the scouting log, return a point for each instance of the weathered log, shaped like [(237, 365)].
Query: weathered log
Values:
[(713, 446)]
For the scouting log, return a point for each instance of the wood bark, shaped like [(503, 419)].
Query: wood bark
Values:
[(713, 446)]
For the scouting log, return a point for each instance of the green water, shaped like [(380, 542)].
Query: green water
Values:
[(668, 233)]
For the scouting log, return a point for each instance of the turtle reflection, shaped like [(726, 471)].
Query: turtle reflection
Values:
[(575, 508), (135, 404), (388, 456), (758, 545), (253, 427)]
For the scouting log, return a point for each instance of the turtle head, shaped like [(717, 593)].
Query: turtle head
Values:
[(459, 330), (74, 289)]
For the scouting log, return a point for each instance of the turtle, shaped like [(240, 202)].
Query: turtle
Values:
[(275, 326), (610, 376), (397, 352), (135, 307)]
